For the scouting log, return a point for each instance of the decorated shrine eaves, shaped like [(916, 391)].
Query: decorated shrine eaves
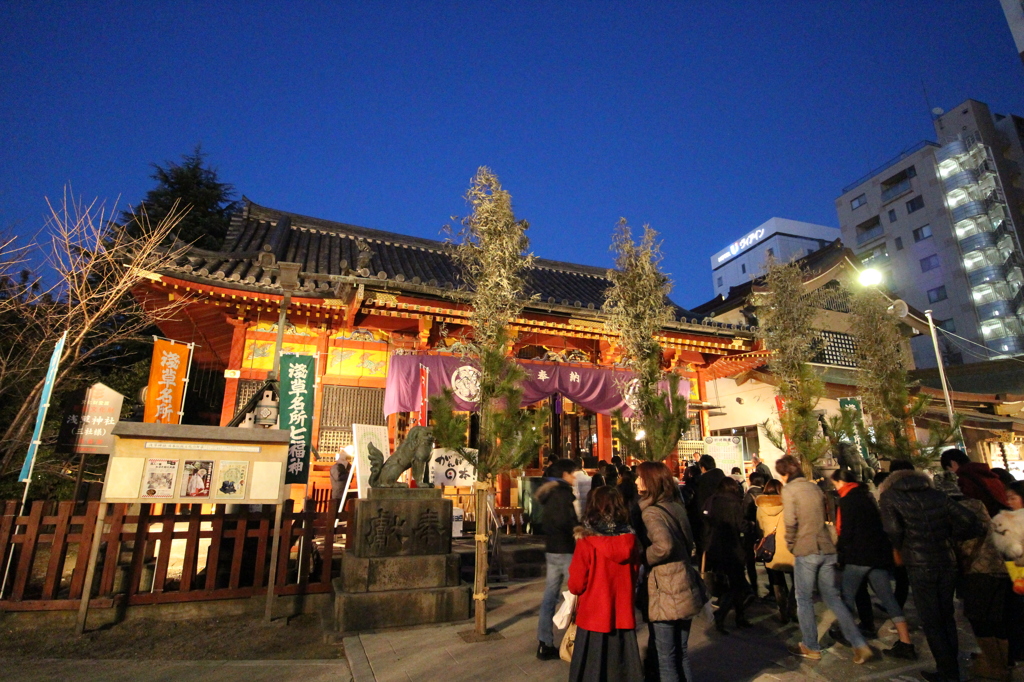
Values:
[(330, 252)]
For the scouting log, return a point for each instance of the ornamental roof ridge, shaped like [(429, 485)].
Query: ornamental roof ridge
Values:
[(258, 212), (303, 222)]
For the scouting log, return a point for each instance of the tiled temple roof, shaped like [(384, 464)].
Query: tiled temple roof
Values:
[(330, 252)]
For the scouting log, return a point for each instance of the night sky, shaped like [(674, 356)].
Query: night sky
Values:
[(702, 121)]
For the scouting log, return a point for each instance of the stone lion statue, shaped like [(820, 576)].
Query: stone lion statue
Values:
[(413, 453), (849, 457)]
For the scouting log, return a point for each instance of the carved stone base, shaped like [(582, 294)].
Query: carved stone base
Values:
[(383, 574), (357, 611), (391, 591), (400, 522)]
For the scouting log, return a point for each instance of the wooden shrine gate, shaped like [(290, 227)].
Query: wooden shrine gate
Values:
[(163, 553)]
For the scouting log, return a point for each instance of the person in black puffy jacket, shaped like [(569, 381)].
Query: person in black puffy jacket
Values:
[(865, 554), (559, 520), (725, 536), (923, 523)]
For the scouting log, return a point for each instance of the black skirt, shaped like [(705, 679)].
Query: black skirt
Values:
[(606, 657)]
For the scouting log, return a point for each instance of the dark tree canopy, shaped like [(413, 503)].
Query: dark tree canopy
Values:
[(195, 185)]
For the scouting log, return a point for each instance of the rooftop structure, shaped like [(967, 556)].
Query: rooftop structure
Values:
[(778, 238)]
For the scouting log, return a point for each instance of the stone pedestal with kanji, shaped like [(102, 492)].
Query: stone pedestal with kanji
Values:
[(398, 567)]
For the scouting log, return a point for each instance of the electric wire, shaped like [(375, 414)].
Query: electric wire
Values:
[(975, 343)]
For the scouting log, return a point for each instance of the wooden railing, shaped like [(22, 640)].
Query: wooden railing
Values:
[(163, 553)]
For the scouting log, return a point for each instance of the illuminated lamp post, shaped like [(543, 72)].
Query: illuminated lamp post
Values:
[(871, 277)]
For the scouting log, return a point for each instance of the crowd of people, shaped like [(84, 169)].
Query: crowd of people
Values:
[(639, 542)]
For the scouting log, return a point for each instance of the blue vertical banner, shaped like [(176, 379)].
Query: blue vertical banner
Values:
[(44, 405), (298, 378)]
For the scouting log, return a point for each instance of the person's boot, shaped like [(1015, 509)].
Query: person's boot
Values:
[(782, 600), (546, 652), (720, 621), (991, 665)]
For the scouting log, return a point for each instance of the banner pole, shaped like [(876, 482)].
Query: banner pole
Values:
[(24, 501), (30, 457), (184, 384)]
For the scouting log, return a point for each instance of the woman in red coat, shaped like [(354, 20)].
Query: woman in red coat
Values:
[(603, 573)]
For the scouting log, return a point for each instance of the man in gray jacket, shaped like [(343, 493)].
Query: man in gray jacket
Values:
[(803, 508)]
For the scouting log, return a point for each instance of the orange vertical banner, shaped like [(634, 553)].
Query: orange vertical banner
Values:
[(166, 388)]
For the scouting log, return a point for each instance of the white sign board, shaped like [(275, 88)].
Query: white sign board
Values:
[(176, 464), (458, 516), (362, 436), (447, 467), (727, 451)]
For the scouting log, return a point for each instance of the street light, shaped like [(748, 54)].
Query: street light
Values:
[(870, 277)]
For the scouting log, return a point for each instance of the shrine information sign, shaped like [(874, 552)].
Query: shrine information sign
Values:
[(171, 463)]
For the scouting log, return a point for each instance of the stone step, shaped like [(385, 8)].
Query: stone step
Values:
[(521, 560)]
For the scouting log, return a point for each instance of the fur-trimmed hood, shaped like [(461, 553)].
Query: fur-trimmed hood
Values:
[(906, 480), (620, 548), (769, 505), (547, 488)]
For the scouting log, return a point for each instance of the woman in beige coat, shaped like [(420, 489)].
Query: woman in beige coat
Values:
[(769, 520), (674, 593)]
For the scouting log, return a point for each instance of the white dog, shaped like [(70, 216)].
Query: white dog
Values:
[(1008, 535)]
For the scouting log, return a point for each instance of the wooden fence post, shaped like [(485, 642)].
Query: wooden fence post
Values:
[(94, 550), (274, 548)]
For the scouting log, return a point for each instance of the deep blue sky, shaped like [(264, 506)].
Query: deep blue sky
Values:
[(702, 119)]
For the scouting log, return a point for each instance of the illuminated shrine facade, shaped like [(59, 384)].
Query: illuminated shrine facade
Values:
[(366, 297)]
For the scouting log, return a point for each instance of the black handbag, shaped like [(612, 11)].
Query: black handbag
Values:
[(765, 549)]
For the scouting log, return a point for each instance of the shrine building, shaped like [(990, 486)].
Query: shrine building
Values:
[(370, 305)]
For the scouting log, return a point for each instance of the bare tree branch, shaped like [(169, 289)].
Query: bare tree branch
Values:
[(97, 265)]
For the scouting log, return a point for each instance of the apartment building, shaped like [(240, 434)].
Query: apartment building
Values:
[(941, 222)]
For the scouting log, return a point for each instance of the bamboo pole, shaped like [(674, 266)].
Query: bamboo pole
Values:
[(480, 573)]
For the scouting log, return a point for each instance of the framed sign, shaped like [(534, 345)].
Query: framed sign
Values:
[(196, 464)]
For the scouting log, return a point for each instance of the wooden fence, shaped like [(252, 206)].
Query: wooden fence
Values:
[(163, 553)]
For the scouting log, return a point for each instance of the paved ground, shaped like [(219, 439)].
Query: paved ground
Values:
[(439, 653), (176, 671)]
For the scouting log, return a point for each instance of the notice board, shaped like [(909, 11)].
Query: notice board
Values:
[(196, 464)]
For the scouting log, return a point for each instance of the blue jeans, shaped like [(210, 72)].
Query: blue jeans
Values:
[(670, 638), (879, 578), (558, 574), (820, 569)]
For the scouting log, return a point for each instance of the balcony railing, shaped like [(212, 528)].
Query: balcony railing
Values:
[(957, 180), (951, 150), (992, 273), (1007, 344), (892, 192), (972, 209), (868, 235), (977, 241), (996, 310)]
